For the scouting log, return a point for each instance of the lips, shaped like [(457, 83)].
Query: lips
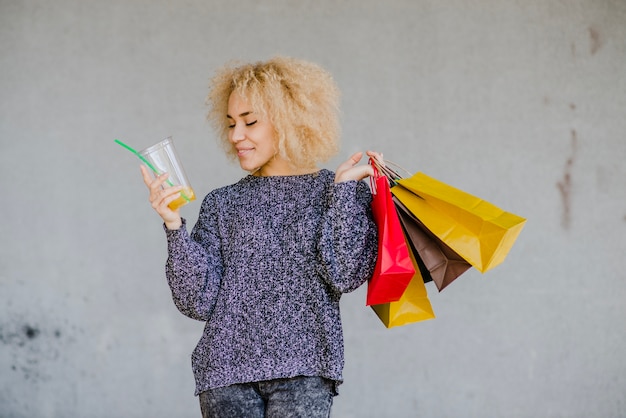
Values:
[(243, 151)]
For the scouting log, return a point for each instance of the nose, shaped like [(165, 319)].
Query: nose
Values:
[(237, 133)]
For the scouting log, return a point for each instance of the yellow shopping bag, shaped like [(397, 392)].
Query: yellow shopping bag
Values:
[(413, 306), (477, 230)]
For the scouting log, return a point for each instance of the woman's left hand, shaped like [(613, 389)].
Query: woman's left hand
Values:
[(351, 171)]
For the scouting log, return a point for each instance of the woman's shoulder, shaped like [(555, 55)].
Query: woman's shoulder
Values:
[(327, 174)]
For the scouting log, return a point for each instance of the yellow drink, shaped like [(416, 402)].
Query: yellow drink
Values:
[(186, 192)]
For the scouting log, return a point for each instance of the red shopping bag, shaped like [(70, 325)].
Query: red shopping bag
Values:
[(394, 268)]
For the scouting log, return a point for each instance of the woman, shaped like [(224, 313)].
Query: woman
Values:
[(270, 256)]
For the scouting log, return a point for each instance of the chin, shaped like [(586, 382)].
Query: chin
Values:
[(246, 167)]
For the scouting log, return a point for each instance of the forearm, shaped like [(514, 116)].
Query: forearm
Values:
[(191, 278), (348, 241)]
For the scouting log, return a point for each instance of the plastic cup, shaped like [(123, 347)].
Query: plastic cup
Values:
[(164, 159)]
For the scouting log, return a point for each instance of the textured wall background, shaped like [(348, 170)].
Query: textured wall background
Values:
[(521, 103)]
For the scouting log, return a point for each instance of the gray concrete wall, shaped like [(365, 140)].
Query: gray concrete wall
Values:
[(520, 102)]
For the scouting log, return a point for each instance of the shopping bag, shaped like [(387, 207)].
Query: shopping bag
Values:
[(394, 268), (436, 261), (413, 306), (477, 230)]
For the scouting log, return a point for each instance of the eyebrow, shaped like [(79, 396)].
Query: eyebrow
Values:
[(244, 114)]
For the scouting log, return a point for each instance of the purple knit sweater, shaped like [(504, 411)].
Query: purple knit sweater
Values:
[(265, 267)]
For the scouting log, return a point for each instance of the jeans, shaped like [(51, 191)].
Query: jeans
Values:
[(301, 396)]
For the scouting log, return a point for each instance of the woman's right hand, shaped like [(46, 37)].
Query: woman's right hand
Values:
[(161, 197), (349, 170)]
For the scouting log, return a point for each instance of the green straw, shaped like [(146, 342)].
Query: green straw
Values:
[(153, 168)]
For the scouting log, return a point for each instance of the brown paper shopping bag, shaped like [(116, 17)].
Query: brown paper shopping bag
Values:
[(436, 260)]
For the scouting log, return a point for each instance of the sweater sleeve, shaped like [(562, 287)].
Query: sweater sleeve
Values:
[(194, 266), (348, 241)]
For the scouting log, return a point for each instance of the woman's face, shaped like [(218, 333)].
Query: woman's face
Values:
[(254, 139)]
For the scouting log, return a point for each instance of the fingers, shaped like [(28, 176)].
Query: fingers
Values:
[(356, 157), (160, 203), (160, 197), (351, 162), (349, 170), (361, 172), (165, 212), (377, 156), (147, 179), (155, 185), (152, 183), (163, 197)]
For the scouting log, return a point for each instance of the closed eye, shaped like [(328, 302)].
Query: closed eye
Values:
[(232, 125)]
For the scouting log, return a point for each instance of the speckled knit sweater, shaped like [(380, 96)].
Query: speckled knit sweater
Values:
[(265, 267)]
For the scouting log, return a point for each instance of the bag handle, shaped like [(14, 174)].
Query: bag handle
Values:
[(398, 166), (391, 174), (376, 175)]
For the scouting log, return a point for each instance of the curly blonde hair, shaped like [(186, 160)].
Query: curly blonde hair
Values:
[(299, 98)]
